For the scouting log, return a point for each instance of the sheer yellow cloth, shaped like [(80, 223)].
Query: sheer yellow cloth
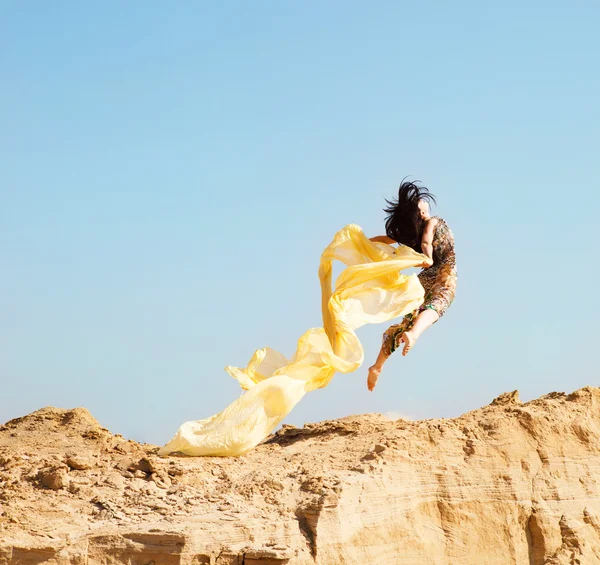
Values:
[(371, 289)]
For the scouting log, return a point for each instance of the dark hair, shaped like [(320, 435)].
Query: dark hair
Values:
[(404, 223)]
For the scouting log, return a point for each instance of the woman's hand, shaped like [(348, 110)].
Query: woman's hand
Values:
[(426, 264)]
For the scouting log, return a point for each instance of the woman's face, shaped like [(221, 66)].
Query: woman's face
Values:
[(424, 209)]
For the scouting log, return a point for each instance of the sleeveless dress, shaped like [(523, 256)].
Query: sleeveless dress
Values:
[(439, 283)]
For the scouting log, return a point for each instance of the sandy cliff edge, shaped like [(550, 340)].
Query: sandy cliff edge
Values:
[(509, 483)]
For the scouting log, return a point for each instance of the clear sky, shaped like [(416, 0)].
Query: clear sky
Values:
[(171, 172)]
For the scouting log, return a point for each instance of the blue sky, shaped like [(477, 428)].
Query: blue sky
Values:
[(170, 173)]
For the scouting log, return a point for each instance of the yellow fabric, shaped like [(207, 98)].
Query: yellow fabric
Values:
[(371, 289)]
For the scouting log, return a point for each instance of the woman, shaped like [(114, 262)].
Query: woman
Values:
[(409, 223)]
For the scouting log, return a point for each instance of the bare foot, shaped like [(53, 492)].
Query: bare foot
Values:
[(409, 341), (373, 376)]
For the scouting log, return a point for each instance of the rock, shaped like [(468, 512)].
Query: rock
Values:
[(145, 465), (55, 478), (125, 464), (148, 465), (272, 554), (507, 399), (79, 487), (174, 470), (78, 462), (115, 479), (162, 480)]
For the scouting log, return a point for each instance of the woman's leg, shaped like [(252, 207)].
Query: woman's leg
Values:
[(417, 325), (424, 320), (375, 369), (387, 347)]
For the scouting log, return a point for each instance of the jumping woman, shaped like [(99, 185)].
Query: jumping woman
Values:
[(408, 223)]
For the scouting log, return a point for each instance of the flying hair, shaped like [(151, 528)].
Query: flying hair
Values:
[(403, 222)]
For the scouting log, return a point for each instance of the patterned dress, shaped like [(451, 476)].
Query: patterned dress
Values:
[(439, 282)]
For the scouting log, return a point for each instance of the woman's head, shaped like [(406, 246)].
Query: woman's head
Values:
[(423, 208), (407, 214)]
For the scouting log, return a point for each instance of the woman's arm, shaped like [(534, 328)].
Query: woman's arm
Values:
[(382, 239), (427, 241)]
